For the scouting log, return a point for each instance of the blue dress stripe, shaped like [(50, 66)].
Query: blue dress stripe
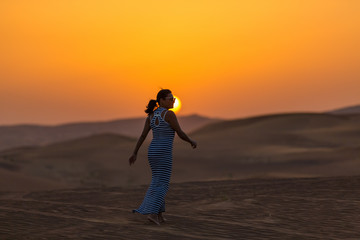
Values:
[(160, 161)]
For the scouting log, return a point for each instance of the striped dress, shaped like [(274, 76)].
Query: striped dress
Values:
[(160, 160)]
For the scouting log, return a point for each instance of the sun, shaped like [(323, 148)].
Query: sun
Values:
[(177, 105)]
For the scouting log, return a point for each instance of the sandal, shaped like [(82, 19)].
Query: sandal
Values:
[(154, 220)]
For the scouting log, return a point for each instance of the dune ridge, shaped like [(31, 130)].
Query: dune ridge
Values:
[(37, 135), (355, 109), (279, 145)]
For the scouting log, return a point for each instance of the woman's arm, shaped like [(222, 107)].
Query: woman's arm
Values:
[(144, 133), (172, 120)]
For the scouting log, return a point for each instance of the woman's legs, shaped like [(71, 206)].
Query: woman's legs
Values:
[(157, 218), (154, 218), (161, 165), (161, 218)]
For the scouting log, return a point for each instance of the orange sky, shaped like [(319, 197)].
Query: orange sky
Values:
[(88, 60)]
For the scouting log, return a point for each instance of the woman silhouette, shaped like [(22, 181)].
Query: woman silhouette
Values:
[(164, 124)]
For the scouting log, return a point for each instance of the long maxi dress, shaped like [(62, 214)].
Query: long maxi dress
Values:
[(160, 160)]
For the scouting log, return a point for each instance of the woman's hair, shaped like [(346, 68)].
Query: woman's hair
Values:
[(153, 103)]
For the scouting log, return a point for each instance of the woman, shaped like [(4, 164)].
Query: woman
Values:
[(164, 124)]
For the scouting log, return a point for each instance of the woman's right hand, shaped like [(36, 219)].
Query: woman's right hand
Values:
[(193, 144), (132, 159)]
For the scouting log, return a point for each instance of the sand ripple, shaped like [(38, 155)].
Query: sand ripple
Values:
[(316, 208)]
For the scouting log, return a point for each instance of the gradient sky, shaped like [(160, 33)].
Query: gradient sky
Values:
[(88, 60)]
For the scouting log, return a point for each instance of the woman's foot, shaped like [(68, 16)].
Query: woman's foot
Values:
[(154, 218), (161, 218)]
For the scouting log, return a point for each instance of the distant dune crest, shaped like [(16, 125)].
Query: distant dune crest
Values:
[(277, 145), (30, 135), (347, 110)]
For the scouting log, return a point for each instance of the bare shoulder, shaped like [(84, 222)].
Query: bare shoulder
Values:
[(172, 120), (170, 115)]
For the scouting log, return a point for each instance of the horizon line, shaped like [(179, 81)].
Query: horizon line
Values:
[(179, 115)]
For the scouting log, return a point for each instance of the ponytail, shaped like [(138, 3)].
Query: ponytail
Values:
[(151, 106), (154, 103)]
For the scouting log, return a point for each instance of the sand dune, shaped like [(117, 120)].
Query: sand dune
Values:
[(18, 181), (314, 208), (34, 135), (304, 144), (89, 161), (282, 145), (346, 110)]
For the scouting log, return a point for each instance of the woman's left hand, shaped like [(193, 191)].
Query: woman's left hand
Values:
[(132, 159), (193, 144)]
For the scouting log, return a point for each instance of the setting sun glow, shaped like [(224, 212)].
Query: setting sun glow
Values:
[(177, 105), (93, 60)]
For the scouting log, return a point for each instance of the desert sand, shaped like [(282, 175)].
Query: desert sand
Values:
[(298, 208), (280, 176)]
